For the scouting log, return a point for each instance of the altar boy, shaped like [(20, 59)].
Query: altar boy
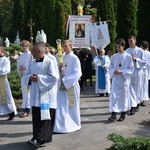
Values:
[(120, 69), (7, 105)]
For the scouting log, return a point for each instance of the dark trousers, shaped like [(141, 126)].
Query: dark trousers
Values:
[(82, 79), (42, 129)]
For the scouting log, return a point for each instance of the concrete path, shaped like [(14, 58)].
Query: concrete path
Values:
[(93, 135)]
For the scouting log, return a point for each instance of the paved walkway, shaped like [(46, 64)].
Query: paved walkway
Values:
[(93, 135)]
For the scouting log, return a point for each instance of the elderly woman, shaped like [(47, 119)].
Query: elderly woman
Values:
[(101, 63)]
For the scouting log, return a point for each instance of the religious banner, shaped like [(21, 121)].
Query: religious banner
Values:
[(99, 35), (79, 30)]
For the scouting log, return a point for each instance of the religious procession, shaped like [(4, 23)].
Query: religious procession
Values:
[(52, 80)]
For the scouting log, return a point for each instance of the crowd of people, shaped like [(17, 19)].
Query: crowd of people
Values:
[(124, 77), (51, 91)]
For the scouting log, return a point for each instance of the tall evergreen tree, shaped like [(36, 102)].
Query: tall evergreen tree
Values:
[(18, 17), (48, 20), (60, 21), (63, 9), (126, 18), (105, 11), (67, 7), (35, 14), (6, 9), (27, 17), (143, 20)]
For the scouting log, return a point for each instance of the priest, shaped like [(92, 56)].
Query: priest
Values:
[(42, 77)]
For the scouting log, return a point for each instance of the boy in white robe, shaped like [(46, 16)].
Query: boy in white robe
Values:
[(136, 78), (101, 63), (42, 77), (68, 102), (7, 104), (145, 45), (22, 66), (120, 69)]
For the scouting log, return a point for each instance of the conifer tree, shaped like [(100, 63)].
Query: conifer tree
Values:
[(27, 17), (32, 11), (143, 20), (105, 11), (126, 18), (63, 10), (60, 21), (48, 20), (67, 7), (6, 9), (18, 17)]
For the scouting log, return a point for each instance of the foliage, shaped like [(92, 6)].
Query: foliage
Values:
[(48, 20), (27, 17), (14, 81), (143, 20), (35, 14), (63, 9), (6, 8), (60, 23), (126, 18), (13, 47), (91, 11), (130, 143), (67, 7), (13, 77), (105, 11), (18, 18)]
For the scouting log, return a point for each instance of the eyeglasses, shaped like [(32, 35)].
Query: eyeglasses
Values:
[(24, 45)]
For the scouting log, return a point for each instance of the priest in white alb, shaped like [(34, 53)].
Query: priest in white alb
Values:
[(42, 77)]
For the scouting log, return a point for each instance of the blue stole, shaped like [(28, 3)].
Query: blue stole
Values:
[(101, 74)]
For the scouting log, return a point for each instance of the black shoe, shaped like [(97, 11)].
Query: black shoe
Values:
[(113, 117), (107, 94), (11, 116), (122, 116), (137, 108), (142, 104), (101, 95), (35, 143), (132, 111), (43, 142)]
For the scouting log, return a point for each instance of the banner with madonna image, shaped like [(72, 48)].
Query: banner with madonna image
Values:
[(99, 35)]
